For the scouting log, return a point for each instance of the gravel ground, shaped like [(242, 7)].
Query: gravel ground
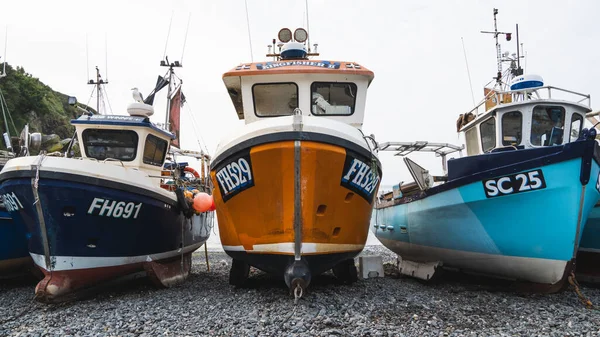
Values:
[(205, 305)]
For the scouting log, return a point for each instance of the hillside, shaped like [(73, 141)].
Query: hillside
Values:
[(31, 101)]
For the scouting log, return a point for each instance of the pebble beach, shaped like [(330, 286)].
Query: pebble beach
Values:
[(206, 305)]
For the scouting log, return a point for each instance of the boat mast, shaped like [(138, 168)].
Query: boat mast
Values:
[(175, 64), (99, 81), (3, 104), (498, 77)]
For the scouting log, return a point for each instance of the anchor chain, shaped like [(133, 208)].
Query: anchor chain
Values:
[(298, 292), (588, 304)]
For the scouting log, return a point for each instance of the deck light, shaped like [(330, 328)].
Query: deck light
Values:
[(300, 35), (285, 35)]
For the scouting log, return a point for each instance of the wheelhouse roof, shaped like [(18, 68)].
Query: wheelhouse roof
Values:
[(300, 67), (120, 120)]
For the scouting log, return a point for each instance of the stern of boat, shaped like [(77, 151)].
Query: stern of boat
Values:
[(295, 203)]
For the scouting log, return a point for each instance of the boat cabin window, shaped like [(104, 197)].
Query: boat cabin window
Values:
[(488, 134), (511, 128), (275, 99), (576, 124), (155, 150), (333, 98), (547, 124), (116, 144), (472, 141)]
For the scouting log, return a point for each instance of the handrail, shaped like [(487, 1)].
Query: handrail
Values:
[(113, 159), (525, 95)]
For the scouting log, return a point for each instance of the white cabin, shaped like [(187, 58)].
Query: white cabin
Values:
[(130, 141), (332, 89), (526, 118)]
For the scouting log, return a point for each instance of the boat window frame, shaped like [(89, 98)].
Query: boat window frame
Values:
[(272, 83), (564, 120), (163, 155), (135, 148), (580, 118), (352, 108), (481, 135), (476, 151), (521, 127)]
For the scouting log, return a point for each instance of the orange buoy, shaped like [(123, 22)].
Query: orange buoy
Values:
[(202, 202), (212, 206)]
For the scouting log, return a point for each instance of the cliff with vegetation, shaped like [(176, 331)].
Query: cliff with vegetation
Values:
[(29, 101)]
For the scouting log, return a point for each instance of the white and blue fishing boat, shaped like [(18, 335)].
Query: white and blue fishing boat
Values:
[(588, 256), (111, 213), (515, 207), (14, 257)]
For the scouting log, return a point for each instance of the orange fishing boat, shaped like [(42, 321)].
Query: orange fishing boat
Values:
[(296, 183)]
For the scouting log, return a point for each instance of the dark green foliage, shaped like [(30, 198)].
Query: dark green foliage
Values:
[(31, 101)]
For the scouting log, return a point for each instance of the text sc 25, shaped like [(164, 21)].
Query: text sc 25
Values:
[(514, 183)]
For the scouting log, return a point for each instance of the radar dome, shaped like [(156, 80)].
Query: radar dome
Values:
[(526, 82)]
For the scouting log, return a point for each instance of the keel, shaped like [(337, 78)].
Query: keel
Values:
[(171, 272)]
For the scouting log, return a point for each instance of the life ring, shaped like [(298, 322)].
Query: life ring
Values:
[(192, 171)]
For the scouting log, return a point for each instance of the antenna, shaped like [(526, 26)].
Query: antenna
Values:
[(168, 33), (249, 36), (87, 57), (185, 39), (518, 52), (498, 48), (307, 25), (519, 70), (525, 57), (468, 72), (5, 47), (106, 56)]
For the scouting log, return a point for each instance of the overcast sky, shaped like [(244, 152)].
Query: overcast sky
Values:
[(414, 49)]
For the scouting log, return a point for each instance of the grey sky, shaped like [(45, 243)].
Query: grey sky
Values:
[(414, 48)]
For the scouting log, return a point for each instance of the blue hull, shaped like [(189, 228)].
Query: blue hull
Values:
[(88, 232), (530, 235), (14, 256), (588, 256)]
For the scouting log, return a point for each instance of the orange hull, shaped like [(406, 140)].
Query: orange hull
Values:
[(275, 210)]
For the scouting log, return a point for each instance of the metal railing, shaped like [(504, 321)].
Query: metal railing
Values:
[(533, 94), (405, 148)]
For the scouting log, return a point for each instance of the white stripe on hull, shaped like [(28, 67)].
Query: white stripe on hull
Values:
[(88, 262), (307, 248), (512, 267)]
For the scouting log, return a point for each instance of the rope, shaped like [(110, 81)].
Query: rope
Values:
[(206, 256), (5, 107), (37, 176), (373, 160), (584, 300), (107, 99)]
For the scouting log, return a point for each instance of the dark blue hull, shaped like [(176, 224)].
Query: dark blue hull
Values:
[(85, 231), (14, 256)]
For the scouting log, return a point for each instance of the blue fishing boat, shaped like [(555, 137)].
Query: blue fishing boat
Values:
[(14, 257), (516, 206), (116, 211), (588, 256)]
